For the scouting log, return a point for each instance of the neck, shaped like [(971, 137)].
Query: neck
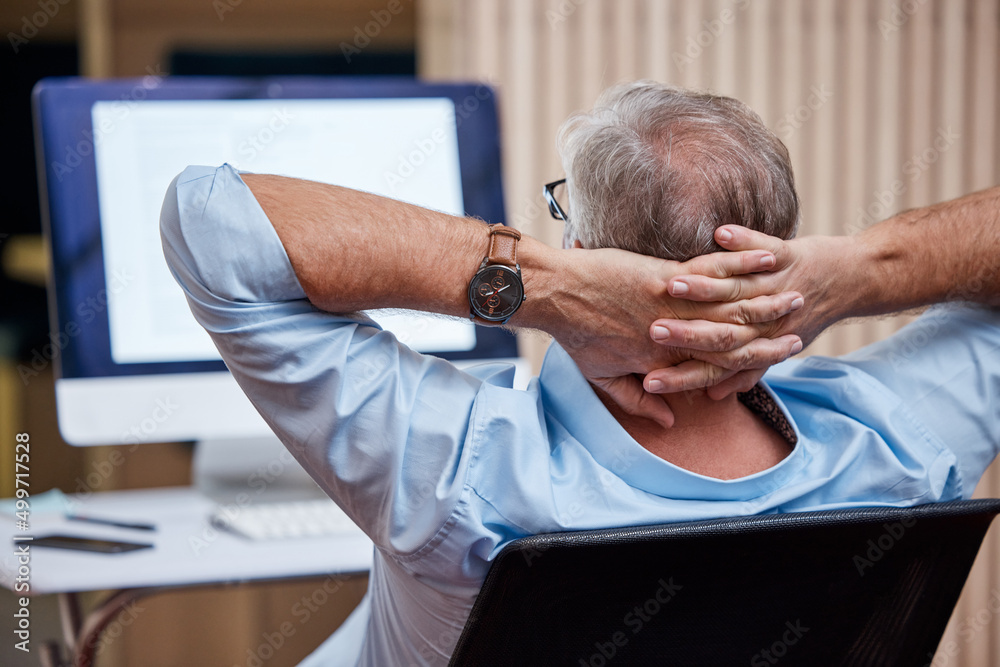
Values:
[(721, 439), (694, 411)]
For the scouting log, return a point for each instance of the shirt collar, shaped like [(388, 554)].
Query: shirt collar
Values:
[(570, 400)]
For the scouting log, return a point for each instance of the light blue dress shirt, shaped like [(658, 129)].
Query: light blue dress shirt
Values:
[(442, 467)]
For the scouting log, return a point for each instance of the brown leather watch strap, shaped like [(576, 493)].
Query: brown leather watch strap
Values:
[(503, 245), (502, 251)]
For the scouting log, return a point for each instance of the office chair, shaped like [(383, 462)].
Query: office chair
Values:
[(866, 586)]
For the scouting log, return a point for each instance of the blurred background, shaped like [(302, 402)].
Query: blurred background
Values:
[(884, 105)]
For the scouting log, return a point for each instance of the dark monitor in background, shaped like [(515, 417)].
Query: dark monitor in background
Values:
[(23, 317), (194, 62)]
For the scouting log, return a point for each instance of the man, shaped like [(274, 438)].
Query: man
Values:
[(442, 468)]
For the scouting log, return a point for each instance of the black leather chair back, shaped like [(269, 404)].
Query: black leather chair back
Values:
[(866, 586)]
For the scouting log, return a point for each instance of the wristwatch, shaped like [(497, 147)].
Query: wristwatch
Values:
[(496, 291)]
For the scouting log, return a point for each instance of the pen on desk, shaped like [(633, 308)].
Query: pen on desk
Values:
[(111, 522)]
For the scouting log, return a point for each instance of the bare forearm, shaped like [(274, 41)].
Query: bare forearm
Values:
[(353, 250), (946, 252)]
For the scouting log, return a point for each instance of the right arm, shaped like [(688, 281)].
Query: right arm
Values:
[(945, 252), (941, 253)]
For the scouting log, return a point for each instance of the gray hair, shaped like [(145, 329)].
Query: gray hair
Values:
[(655, 169)]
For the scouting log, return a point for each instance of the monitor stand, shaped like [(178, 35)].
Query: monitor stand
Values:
[(250, 470)]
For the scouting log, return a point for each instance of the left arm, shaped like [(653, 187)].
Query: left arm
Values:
[(352, 250)]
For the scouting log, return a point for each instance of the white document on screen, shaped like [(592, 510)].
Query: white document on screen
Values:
[(401, 148)]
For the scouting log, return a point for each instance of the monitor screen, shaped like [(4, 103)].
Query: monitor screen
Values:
[(357, 143), (128, 344)]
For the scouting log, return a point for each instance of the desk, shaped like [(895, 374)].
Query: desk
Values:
[(187, 551)]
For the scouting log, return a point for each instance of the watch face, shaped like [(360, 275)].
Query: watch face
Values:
[(496, 292)]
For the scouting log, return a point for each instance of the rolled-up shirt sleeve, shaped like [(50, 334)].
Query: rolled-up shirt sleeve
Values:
[(945, 367), (381, 428)]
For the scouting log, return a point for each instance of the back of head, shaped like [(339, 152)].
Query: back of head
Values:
[(655, 169)]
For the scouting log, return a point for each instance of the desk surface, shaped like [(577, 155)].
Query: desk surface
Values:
[(187, 549)]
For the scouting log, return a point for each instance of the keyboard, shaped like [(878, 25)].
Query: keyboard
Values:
[(283, 520)]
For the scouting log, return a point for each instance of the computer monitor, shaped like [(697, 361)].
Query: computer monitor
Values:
[(132, 365)]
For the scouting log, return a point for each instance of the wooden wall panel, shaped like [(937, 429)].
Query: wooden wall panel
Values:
[(26, 20), (860, 91)]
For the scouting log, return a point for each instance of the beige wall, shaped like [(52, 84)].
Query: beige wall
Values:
[(869, 99)]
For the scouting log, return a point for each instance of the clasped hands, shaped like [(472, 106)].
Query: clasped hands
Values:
[(713, 323)]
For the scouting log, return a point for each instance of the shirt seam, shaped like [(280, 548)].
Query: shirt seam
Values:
[(211, 188), (510, 522), (460, 510)]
